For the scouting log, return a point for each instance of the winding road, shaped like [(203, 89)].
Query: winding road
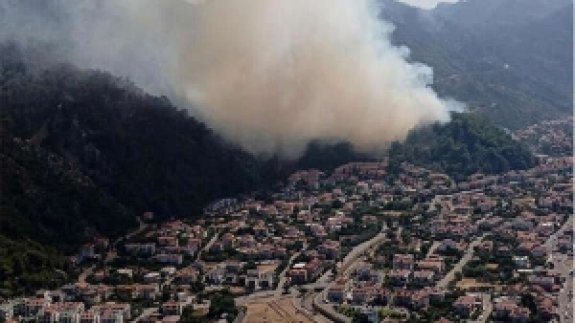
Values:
[(347, 264)]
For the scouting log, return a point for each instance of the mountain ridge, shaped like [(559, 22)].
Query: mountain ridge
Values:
[(513, 84)]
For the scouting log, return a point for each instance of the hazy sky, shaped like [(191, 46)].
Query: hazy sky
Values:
[(426, 4)]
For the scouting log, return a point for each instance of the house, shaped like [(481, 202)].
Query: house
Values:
[(383, 297), (433, 263), (215, 276), (48, 316), (485, 246), (127, 291), (172, 308), (113, 312), (466, 305), (403, 261), (89, 294), (545, 282), (90, 317), (420, 299), (363, 271), (318, 231), (171, 319), (399, 277), (110, 316), (363, 293), (519, 315), (140, 249), (423, 277), (336, 293), (186, 276), (402, 298), (509, 310), (447, 244), (330, 249), (521, 261), (168, 241), (313, 269), (298, 275), (261, 278), (152, 277), (168, 271), (151, 291), (68, 311), (34, 306), (6, 312), (371, 314), (538, 251), (546, 308), (169, 258)]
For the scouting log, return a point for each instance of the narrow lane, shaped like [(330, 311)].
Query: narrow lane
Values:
[(442, 284)]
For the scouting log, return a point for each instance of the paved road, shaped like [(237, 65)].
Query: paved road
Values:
[(318, 301), (552, 240), (563, 266), (141, 227), (432, 248), (459, 266), (487, 308), (277, 293), (209, 244), (85, 273), (344, 268), (358, 250), (565, 294), (111, 254), (306, 301), (146, 312), (283, 275)]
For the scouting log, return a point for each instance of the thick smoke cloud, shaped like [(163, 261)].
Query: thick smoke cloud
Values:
[(269, 75)]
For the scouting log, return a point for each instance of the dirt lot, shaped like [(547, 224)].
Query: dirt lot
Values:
[(468, 284), (275, 310)]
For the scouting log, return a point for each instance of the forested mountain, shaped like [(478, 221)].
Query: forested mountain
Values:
[(81, 148), (509, 61), (464, 146), (83, 152)]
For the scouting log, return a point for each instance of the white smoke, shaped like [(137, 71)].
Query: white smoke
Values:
[(270, 75), (426, 4)]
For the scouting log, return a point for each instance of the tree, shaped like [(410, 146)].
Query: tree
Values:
[(189, 317), (361, 318), (222, 303)]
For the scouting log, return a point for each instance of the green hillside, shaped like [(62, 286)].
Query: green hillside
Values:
[(461, 147)]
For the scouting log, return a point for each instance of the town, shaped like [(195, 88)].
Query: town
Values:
[(357, 244)]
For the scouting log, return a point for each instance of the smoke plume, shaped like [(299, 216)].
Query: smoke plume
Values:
[(270, 75)]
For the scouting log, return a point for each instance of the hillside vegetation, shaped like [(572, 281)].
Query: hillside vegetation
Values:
[(26, 266), (464, 146)]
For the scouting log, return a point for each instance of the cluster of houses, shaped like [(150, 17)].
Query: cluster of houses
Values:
[(550, 136), (537, 202), (49, 309), (304, 230)]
